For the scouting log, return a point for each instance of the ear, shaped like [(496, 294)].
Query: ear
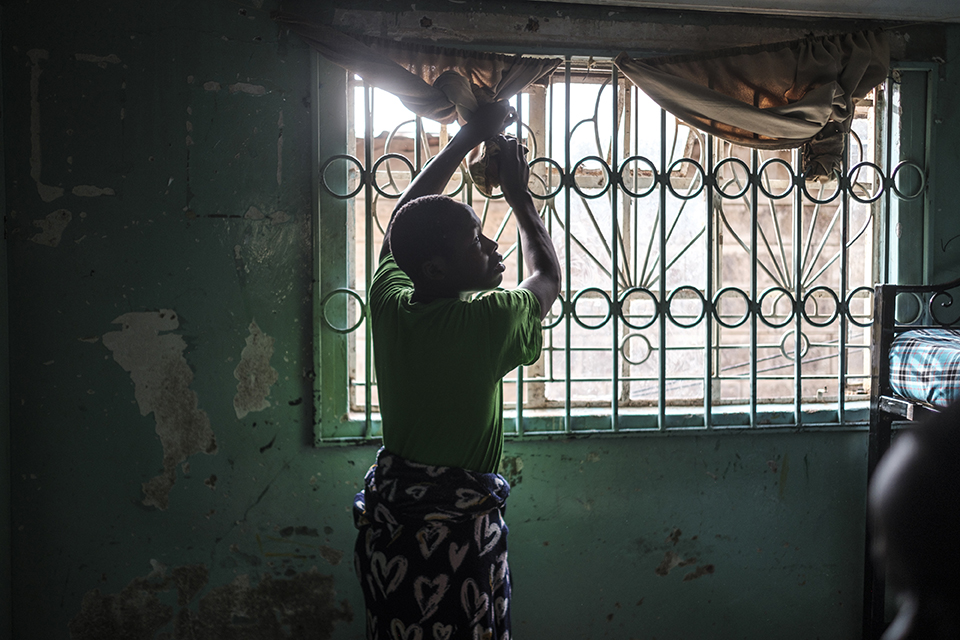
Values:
[(434, 269)]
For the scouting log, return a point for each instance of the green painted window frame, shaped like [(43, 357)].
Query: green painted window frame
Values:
[(337, 424)]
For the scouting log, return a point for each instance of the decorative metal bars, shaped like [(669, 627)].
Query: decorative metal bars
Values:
[(706, 285)]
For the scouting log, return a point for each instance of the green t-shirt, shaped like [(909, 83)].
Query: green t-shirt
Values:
[(440, 368)]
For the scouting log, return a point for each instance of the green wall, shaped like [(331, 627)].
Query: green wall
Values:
[(5, 473), (158, 188)]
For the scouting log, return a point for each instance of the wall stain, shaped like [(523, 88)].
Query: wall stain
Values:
[(286, 532), (674, 536), (784, 471), (162, 378), (246, 87), (699, 572), (52, 227), (511, 468), (90, 191), (254, 373), (269, 445), (670, 561), (302, 606), (288, 547), (100, 61)]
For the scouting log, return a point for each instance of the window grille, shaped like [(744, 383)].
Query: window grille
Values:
[(691, 265)]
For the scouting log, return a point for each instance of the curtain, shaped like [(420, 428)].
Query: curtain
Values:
[(433, 82), (772, 97)]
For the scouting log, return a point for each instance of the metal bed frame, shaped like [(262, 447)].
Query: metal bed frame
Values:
[(886, 407)]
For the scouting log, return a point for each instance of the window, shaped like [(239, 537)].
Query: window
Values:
[(706, 285)]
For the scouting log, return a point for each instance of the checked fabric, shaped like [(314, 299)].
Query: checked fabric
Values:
[(925, 366)]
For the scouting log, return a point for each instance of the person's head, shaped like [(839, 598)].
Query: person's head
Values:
[(438, 243), (915, 519)]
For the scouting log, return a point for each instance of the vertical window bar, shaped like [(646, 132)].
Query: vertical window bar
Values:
[(662, 219), (568, 309), (550, 120), (754, 294), (710, 179), (844, 285), (627, 231), (615, 246), (798, 305), (369, 213)]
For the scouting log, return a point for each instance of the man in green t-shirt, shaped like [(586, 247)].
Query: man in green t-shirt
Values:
[(431, 550)]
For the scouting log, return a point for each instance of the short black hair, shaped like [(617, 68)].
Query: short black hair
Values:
[(420, 231)]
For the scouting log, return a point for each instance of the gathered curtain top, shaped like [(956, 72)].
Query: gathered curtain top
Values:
[(780, 96), (433, 82)]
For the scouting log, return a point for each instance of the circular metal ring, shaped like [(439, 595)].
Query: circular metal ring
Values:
[(563, 312), (923, 180), (700, 171), (833, 196), (384, 158), (850, 297), (804, 344), (623, 182), (573, 307), (775, 325), (746, 183), (349, 292), (606, 168), (559, 184), (916, 299), (856, 169), (623, 299), (323, 175), (630, 336), (792, 180), (703, 306), (836, 307), (716, 307)]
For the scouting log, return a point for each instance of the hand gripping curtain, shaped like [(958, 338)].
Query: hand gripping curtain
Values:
[(798, 94), (432, 82)]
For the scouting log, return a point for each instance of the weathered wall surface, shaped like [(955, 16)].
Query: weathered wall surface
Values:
[(165, 484)]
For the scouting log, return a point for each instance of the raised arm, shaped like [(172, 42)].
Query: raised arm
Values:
[(488, 121), (539, 256)]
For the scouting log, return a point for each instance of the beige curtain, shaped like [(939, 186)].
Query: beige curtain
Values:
[(772, 97), (433, 82)]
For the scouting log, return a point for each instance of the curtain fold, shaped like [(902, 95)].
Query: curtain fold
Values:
[(773, 97), (433, 82)]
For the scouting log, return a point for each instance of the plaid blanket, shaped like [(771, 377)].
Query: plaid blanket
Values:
[(431, 552), (925, 366)]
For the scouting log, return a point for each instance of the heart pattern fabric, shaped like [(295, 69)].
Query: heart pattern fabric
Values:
[(431, 552)]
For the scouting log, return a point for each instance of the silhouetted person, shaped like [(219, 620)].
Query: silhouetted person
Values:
[(431, 550), (915, 518)]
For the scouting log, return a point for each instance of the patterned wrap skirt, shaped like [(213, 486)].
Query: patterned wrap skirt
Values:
[(431, 552)]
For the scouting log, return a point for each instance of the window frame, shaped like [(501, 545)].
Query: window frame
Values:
[(337, 424)]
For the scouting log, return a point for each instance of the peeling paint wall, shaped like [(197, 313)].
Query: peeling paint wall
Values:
[(162, 378), (254, 373), (298, 606), (164, 480)]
